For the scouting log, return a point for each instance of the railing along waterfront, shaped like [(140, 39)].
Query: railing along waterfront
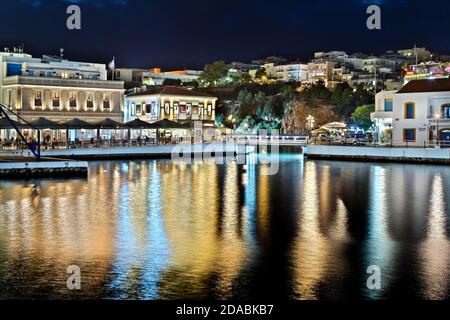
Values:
[(301, 140), (443, 144)]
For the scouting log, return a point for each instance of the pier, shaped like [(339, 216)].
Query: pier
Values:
[(28, 168), (380, 154)]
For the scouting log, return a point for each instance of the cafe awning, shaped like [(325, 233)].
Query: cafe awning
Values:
[(139, 124), (77, 124), (168, 124), (109, 124), (43, 123)]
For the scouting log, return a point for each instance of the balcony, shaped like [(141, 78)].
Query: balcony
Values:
[(381, 114), (59, 82)]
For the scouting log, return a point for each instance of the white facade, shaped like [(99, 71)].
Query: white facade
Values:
[(383, 117), (420, 113), (58, 89), (295, 72), (171, 103)]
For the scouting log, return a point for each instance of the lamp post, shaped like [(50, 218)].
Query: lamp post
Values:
[(438, 117), (310, 120)]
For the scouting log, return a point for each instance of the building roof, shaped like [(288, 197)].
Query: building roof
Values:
[(170, 91), (426, 85)]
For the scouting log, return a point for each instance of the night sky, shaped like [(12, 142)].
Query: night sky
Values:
[(190, 33)]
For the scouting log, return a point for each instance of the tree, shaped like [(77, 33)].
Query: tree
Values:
[(261, 74), (243, 78), (294, 122), (361, 116), (213, 74), (316, 91), (288, 93)]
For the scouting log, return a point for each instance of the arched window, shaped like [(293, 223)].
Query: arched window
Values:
[(446, 111)]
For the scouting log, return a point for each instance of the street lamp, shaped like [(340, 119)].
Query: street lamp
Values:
[(310, 120)]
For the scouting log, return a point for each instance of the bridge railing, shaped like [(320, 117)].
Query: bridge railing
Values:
[(267, 139)]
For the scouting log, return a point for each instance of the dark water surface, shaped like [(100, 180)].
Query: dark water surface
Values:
[(159, 230)]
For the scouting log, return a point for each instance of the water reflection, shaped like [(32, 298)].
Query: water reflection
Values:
[(435, 250), (159, 230)]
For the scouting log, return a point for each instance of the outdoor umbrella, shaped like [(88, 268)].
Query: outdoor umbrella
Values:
[(77, 124), (5, 124), (167, 124), (109, 124), (321, 131), (335, 125), (139, 124), (43, 123)]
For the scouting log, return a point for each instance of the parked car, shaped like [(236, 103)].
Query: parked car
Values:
[(357, 140)]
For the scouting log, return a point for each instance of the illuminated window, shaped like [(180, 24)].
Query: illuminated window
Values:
[(133, 109), (409, 135), (56, 100), (410, 110), (138, 110), (148, 108), (209, 110), (176, 107), (189, 109), (167, 108), (73, 99), (90, 101), (38, 98), (106, 104)]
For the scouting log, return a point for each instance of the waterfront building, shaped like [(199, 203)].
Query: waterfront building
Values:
[(173, 103), (58, 89), (419, 113), (383, 116)]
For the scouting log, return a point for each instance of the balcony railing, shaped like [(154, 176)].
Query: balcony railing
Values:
[(59, 82)]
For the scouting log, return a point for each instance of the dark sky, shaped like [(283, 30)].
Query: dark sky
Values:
[(190, 33)]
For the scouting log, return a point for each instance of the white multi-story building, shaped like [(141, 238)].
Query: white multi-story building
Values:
[(321, 71), (336, 56), (420, 113), (58, 89), (294, 72), (171, 103)]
